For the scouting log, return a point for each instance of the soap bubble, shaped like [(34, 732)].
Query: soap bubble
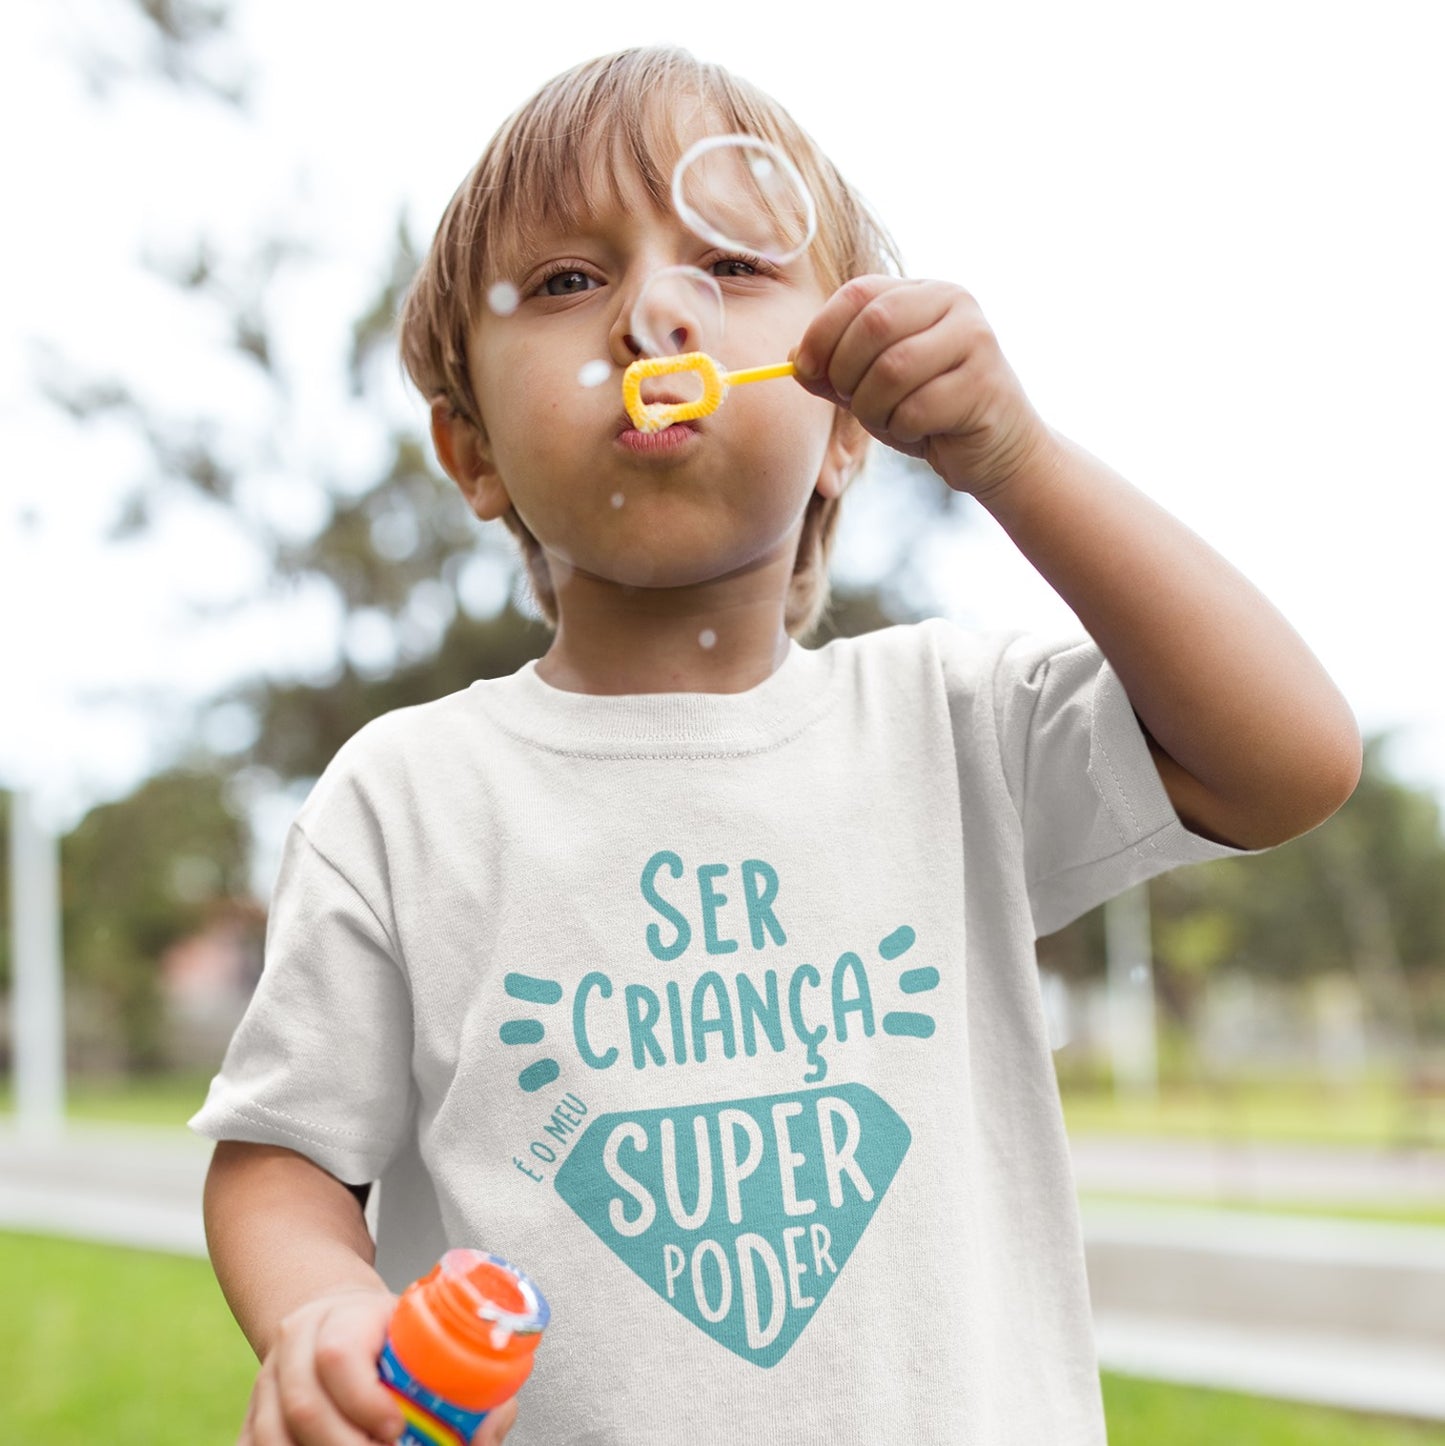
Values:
[(618, 499), (707, 638), (679, 309), (503, 298), (594, 373), (743, 193)]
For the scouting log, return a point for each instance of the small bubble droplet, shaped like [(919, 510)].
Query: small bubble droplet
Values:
[(707, 638), (618, 499), (503, 298), (594, 373)]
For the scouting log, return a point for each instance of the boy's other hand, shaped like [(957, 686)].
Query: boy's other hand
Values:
[(318, 1384), (916, 363)]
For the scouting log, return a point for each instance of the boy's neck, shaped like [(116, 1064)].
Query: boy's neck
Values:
[(643, 641)]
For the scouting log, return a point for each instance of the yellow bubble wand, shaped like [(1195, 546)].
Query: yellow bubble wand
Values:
[(654, 416)]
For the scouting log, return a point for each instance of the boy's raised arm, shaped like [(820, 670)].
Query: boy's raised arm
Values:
[(1254, 743), (1252, 740)]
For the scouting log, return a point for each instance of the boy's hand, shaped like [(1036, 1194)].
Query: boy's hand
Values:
[(916, 363), (318, 1384)]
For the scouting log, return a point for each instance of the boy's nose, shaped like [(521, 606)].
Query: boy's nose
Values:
[(666, 311), (623, 341), (678, 339)]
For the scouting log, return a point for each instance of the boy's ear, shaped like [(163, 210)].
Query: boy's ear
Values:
[(847, 447), (466, 458)]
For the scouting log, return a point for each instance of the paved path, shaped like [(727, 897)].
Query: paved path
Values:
[(122, 1185), (1340, 1312), (1265, 1173)]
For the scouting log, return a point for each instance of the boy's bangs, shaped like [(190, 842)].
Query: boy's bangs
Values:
[(562, 158), (568, 171)]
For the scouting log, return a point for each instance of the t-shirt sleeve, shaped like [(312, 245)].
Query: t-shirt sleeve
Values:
[(321, 1061), (1096, 818)]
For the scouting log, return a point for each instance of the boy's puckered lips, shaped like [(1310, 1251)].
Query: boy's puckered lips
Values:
[(668, 399), (668, 439)]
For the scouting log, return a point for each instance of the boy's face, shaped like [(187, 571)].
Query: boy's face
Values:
[(697, 502)]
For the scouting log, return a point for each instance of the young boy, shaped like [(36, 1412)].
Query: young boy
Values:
[(691, 970)]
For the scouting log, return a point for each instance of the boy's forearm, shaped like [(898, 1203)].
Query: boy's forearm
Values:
[(281, 1232), (1258, 745)]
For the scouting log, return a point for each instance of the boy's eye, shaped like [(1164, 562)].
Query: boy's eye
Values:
[(736, 266), (567, 283)]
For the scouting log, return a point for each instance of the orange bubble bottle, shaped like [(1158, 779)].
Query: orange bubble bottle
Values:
[(461, 1343)]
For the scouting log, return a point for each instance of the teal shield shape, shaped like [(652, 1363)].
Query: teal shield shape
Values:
[(740, 1214)]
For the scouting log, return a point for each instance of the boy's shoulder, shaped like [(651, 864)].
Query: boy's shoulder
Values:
[(411, 722), (968, 659), (388, 747)]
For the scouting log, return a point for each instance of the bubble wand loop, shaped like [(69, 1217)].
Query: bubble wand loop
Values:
[(654, 416)]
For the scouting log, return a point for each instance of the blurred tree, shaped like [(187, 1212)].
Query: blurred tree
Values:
[(138, 875), (180, 41), (1363, 894)]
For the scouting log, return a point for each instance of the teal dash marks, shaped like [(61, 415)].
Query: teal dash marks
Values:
[(918, 981), (900, 941), (522, 1031), (908, 1023), (531, 990), (534, 991)]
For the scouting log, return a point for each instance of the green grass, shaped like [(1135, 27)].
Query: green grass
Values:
[(1152, 1413), (1374, 1112), (116, 1346), (134, 1349), (168, 1099), (1386, 1213)]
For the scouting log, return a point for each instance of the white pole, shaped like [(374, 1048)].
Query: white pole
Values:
[(1131, 994), (37, 1008)]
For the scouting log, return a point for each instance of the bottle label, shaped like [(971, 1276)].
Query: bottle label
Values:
[(430, 1421)]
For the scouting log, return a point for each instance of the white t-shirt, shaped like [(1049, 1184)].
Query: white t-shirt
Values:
[(719, 1016)]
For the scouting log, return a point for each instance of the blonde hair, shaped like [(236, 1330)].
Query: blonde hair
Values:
[(599, 120)]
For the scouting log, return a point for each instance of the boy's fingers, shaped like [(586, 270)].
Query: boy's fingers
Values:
[(494, 1430), (248, 1435), (813, 354), (349, 1380), (309, 1416), (348, 1341), (932, 411), (264, 1426), (915, 363), (891, 318)]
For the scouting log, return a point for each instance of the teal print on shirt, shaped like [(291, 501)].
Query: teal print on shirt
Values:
[(531, 1031), (740, 1214), (716, 1017)]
